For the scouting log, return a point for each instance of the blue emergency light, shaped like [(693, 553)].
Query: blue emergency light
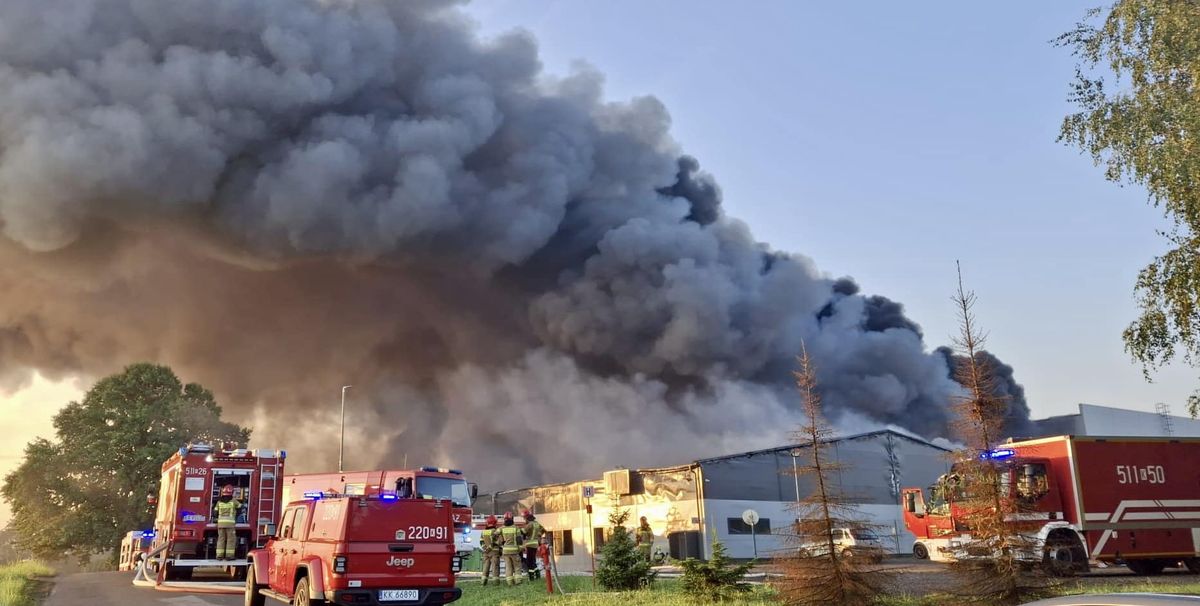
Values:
[(388, 496), (994, 455), (314, 494)]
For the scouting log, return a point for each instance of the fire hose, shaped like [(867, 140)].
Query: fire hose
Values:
[(547, 555)]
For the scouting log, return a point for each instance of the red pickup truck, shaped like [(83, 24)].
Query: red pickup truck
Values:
[(377, 550)]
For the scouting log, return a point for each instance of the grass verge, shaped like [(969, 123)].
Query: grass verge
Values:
[(20, 584), (580, 593)]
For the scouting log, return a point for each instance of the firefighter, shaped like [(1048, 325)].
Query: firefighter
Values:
[(533, 537), (489, 541), (225, 512), (511, 540), (644, 539)]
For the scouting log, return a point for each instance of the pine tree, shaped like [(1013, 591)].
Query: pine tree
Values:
[(717, 579), (990, 568), (820, 572), (621, 567)]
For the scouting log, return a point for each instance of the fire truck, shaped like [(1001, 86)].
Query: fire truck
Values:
[(185, 533), (1134, 500), (424, 482), (134, 545)]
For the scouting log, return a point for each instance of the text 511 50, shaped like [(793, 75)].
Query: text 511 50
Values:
[(1141, 474)]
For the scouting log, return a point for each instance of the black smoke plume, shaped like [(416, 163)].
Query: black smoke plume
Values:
[(517, 275)]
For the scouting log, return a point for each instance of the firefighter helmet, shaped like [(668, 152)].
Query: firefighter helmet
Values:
[(508, 515), (490, 522), (227, 491), (526, 514)]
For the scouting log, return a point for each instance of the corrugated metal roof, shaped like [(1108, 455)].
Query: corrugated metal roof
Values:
[(835, 439)]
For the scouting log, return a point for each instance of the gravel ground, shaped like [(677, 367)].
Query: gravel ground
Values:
[(921, 577)]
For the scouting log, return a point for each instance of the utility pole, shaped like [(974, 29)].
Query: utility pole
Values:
[(342, 433), (795, 452)]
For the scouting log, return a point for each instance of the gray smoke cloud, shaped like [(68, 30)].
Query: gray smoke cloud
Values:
[(518, 276), (1005, 388)]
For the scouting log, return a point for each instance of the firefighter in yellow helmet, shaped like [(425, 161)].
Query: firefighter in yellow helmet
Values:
[(489, 541), (644, 539), (511, 540), (225, 512), (534, 531)]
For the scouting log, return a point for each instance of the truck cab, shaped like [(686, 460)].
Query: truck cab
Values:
[(936, 517), (359, 549)]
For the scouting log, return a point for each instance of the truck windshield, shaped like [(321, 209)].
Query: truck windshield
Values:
[(454, 489)]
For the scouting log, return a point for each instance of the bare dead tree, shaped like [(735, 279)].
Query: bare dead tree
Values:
[(996, 565), (820, 571)]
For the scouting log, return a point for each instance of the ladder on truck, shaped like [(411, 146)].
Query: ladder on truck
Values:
[(268, 478)]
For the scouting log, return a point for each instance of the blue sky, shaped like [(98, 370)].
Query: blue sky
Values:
[(885, 140)]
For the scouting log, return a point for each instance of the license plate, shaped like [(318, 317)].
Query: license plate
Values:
[(398, 595)]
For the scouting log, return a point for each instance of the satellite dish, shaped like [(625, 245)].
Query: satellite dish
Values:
[(750, 517)]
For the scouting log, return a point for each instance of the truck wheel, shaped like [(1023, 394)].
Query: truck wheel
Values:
[(304, 594), (1064, 556), (1147, 568), (253, 597), (920, 552)]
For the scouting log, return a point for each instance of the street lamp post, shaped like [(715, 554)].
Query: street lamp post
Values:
[(795, 452), (342, 433)]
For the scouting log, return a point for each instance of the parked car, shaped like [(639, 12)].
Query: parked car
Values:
[(850, 543)]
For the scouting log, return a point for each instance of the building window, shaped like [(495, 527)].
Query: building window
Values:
[(598, 536), (738, 526), (563, 543)]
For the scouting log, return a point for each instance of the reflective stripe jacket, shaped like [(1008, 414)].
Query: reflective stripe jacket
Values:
[(490, 540), (510, 539), (226, 512), (533, 533)]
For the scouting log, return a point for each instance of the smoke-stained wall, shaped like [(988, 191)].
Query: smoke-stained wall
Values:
[(518, 276)]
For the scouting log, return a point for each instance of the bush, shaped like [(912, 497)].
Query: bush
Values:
[(716, 580), (621, 567)]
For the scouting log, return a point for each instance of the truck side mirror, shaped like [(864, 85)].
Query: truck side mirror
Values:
[(474, 488), (267, 531)]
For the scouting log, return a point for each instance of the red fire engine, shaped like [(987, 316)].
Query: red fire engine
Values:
[(185, 533), (424, 482), (134, 545), (1135, 500)]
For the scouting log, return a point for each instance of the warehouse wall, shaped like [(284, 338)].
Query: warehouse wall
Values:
[(873, 469)]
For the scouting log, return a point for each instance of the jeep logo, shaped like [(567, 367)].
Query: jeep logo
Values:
[(400, 562)]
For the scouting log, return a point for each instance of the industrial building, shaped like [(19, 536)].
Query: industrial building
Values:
[(1093, 420), (706, 498), (688, 505)]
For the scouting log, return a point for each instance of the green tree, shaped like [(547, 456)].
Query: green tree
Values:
[(77, 495), (621, 567), (716, 580), (1137, 87)]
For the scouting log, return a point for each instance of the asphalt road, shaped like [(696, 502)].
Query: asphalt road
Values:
[(117, 589)]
